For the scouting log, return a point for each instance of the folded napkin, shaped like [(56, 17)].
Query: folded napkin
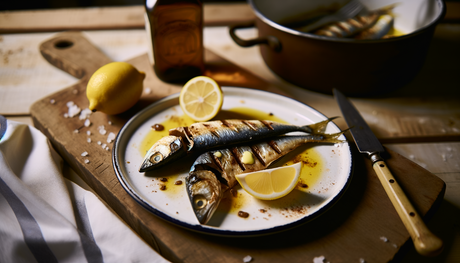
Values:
[(45, 217)]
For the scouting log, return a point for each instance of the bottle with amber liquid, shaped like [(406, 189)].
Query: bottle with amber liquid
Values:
[(176, 33)]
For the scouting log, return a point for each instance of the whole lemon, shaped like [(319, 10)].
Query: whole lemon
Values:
[(114, 88)]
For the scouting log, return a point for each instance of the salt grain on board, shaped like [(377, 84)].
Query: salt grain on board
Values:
[(84, 114), (247, 259), (319, 259), (87, 123), (102, 130), (111, 137), (84, 154), (74, 110)]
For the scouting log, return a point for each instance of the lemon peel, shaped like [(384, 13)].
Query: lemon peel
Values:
[(114, 88), (201, 98), (271, 184)]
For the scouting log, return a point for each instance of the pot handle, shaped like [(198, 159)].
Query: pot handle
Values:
[(272, 41)]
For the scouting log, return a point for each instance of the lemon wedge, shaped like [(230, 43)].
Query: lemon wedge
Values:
[(271, 184), (114, 88), (201, 98)]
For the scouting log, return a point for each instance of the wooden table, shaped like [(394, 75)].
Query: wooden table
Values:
[(420, 121)]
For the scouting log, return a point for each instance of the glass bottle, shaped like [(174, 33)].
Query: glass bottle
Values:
[(176, 33)]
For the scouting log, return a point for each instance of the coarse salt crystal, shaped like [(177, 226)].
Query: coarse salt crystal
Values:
[(361, 260), (52, 101), (147, 90), (87, 123), (107, 148), (86, 161), (84, 154), (104, 145), (319, 259), (384, 239), (84, 114), (110, 123), (76, 131), (74, 110), (444, 157), (70, 104), (102, 130), (66, 115), (247, 259), (88, 133), (111, 137), (99, 142), (88, 140)]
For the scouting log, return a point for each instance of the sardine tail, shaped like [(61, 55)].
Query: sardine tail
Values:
[(334, 137), (320, 127)]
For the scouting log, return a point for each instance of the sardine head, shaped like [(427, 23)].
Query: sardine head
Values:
[(163, 151), (204, 192)]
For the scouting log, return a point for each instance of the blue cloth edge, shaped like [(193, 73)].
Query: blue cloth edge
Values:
[(3, 124)]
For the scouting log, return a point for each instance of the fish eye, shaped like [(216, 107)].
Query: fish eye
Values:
[(174, 146), (200, 202), (156, 158)]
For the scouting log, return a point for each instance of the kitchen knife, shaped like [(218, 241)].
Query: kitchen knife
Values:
[(425, 242)]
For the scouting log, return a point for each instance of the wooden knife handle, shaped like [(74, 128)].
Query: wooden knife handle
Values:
[(425, 242)]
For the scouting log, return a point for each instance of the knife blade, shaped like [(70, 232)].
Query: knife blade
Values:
[(425, 242)]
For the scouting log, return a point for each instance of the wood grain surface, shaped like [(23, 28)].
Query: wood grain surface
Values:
[(100, 18), (350, 230)]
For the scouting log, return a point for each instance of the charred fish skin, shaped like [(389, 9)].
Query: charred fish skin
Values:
[(205, 136), (165, 150), (357, 24), (225, 164), (379, 30)]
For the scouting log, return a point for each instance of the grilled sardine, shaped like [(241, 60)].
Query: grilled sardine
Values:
[(206, 136), (214, 172)]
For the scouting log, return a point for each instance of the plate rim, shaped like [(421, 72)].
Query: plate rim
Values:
[(211, 230)]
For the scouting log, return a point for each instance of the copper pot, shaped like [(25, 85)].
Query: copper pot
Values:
[(356, 67)]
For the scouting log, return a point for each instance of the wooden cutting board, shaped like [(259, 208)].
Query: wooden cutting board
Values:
[(356, 227)]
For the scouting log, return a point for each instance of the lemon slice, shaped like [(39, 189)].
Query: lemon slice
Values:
[(201, 98), (271, 184)]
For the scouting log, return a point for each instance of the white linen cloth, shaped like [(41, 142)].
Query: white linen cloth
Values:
[(45, 217)]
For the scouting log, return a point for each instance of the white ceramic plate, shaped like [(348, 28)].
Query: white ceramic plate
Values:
[(265, 217)]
